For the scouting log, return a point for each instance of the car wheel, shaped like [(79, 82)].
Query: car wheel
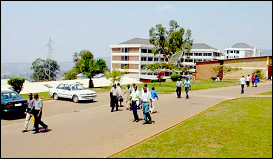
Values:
[(75, 99), (55, 96)]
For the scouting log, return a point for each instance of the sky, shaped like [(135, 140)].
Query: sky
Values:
[(26, 26)]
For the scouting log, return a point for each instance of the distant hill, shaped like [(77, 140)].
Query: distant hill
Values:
[(266, 52), (9, 70)]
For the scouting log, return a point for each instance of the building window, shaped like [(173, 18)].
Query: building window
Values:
[(231, 51), (191, 54), (237, 52), (150, 51), (196, 54), (209, 54), (150, 58), (142, 66), (143, 50), (124, 65), (188, 60), (124, 50), (156, 59), (143, 58), (124, 58)]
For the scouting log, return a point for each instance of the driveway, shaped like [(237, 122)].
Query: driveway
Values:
[(90, 130)]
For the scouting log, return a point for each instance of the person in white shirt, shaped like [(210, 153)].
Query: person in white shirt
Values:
[(114, 97), (242, 82), (28, 113), (247, 80), (179, 84), (120, 99), (145, 101), (38, 107), (133, 90)]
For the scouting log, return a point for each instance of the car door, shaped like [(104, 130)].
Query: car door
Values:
[(67, 91), (60, 90)]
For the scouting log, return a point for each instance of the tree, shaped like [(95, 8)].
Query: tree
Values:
[(70, 75), (170, 42), (159, 67), (115, 75), (85, 63), (221, 69), (16, 83), (258, 72), (44, 70)]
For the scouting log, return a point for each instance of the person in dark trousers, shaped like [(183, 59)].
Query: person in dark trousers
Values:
[(114, 98), (38, 108), (146, 99), (242, 82), (135, 96), (179, 84), (247, 80), (252, 80), (187, 85), (256, 80)]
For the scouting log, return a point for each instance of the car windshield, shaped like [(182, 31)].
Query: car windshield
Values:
[(10, 96), (77, 87)]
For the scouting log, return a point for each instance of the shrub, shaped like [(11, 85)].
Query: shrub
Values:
[(175, 76), (16, 83)]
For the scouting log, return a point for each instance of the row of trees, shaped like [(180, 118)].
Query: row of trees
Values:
[(166, 42)]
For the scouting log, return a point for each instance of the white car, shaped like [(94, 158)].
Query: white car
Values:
[(74, 91)]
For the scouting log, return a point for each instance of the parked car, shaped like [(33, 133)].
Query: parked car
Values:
[(12, 102), (74, 91)]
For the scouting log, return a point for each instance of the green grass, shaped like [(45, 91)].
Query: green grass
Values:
[(267, 93), (42, 95), (164, 87), (240, 128)]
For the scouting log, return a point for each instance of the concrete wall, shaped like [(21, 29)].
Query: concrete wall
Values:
[(248, 65), (204, 71)]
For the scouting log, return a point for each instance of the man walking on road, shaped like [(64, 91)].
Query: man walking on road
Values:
[(135, 96), (187, 85), (242, 82), (153, 95), (38, 106), (179, 84), (30, 103), (247, 80), (114, 97), (145, 101)]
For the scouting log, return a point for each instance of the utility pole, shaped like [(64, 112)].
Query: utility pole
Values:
[(49, 58)]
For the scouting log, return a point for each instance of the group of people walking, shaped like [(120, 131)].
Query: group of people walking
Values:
[(254, 79), (135, 100), (35, 107), (180, 84)]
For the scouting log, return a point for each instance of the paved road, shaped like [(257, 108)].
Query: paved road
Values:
[(91, 130)]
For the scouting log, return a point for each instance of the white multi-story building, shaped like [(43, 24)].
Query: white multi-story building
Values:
[(241, 50), (136, 53), (201, 52)]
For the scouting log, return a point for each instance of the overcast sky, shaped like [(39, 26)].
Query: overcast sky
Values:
[(94, 25)]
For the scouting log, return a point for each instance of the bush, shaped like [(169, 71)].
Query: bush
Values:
[(16, 83), (175, 76)]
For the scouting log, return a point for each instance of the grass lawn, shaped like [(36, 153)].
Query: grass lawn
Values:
[(167, 87), (164, 87), (42, 95), (267, 93), (240, 128)]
